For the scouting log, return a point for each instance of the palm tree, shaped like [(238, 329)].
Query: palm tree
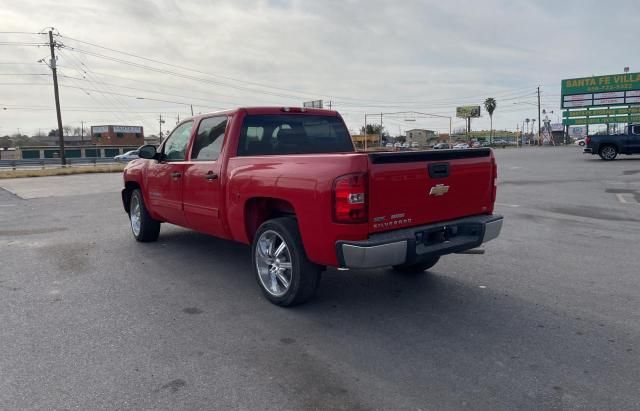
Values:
[(490, 105)]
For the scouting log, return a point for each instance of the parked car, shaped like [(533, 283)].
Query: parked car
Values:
[(126, 157), (389, 145), (580, 142), (476, 144), (414, 144), (441, 146), (461, 146), (405, 145), (609, 146), (289, 182)]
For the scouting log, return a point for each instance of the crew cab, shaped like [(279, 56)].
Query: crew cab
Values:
[(289, 182), (610, 145)]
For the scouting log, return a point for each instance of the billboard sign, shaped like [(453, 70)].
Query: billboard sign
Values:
[(598, 91), (312, 104), (468, 111), (99, 129)]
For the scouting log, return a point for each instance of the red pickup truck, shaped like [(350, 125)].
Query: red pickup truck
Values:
[(289, 182)]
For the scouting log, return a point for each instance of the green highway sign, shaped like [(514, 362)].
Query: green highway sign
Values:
[(634, 118)]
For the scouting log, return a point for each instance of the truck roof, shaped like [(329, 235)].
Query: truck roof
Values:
[(272, 110)]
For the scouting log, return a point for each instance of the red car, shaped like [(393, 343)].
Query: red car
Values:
[(289, 182)]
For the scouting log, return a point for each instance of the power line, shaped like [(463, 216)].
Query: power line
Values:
[(19, 32), (99, 89), (118, 100)]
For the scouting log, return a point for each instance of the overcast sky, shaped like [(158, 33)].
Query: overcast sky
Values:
[(364, 56)]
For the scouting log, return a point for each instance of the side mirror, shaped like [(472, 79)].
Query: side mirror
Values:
[(148, 151)]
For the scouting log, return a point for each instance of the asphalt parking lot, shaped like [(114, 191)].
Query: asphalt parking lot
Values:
[(548, 318)]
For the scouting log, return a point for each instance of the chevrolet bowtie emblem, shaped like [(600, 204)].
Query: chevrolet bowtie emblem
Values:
[(439, 190)]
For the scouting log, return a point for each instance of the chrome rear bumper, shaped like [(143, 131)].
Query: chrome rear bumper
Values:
[(419, 243)]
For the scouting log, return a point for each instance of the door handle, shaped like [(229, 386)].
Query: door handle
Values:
[(211, 176), (176, 174)]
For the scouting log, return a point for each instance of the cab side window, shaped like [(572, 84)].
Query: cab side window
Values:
[(635, 130), (175, 147), (209, 139)]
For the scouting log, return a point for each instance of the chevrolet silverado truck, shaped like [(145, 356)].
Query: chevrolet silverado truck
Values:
[(289, 182), (609, 146)]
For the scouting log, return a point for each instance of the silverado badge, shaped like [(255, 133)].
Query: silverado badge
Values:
[(439, 190)]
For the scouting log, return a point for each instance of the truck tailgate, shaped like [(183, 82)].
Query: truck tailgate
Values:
[(417, 188)]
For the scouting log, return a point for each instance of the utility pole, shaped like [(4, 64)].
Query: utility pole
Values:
[(191, 110), (82, 132), (380, 127), (160, 134), (54, 70), (365, 132), (539, 116)]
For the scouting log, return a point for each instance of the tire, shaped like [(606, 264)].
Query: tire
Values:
[(418, 267), (582, 143), (283, 271), (144, 228), (608, 152)]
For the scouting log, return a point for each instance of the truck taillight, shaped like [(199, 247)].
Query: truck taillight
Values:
[(350, 198), (494, 173), (587, 140)]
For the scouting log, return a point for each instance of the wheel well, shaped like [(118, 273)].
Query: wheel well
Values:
[(257, 210), (129, 186), (607, 145)]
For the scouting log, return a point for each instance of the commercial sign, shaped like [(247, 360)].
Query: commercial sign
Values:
[(597, 91), (601, 84), (127, 129), (632, 118), (468, 111), (312, 104), (99, 129), (602, 112), (577, 132)]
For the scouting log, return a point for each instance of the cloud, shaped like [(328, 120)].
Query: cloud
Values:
[(366, 57)]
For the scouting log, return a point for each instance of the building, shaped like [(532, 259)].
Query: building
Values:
[(71, 152), (373, 140), (117, 136), (54, 141), (421, 136)]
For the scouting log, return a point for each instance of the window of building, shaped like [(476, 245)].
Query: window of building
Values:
[(120, 135), (209, 139)]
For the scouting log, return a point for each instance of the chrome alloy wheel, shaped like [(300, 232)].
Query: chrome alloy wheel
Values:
[(608, 152), (135, 215), (273, 262)]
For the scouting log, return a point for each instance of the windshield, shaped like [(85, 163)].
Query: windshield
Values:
[(293, 134)]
